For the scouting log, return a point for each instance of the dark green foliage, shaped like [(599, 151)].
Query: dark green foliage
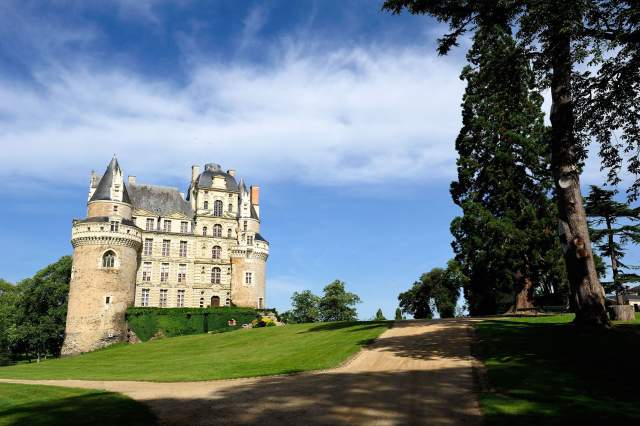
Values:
[(506, 235), (304, 308), (616, 224), (170, 322), (398, 315), (36, 311), (437, 288), (337, 304), (8, 298), (379, 315)]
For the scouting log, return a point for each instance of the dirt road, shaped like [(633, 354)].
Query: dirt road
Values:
[(418, 372)]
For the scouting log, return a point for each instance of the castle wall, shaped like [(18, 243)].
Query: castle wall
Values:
[(93, 321), (243, 294), (106, 208)]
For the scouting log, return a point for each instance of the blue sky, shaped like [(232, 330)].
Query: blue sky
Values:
[(344, 115)]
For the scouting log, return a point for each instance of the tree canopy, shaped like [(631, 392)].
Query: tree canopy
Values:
[(337, 304)]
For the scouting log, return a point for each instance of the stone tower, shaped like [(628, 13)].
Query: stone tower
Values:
[(106, 248)]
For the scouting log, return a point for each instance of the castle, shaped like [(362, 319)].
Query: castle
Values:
[(147, 245)]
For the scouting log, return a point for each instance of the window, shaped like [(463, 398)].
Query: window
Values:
[(146, 271), (215, 252), (114, 226), (115, 208), (149, 225), (229, 233), (180, 299), (250, 240), (202, 302), (166, 245), (164, 273), (215, 275), (145, 297), (107, 300), (217, 208), (248, 277), (182, 273), (167, 226), (109, 259), (206, 205), (227, 302), (184, 227), (163, 297), (204, 231), (230, 208), (183, 249), (148, 247), (244, 225), (217, 231), (260, 303)]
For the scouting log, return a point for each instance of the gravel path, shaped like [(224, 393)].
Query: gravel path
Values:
[(418, 372)]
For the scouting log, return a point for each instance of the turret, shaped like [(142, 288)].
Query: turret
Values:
[(106, 247)]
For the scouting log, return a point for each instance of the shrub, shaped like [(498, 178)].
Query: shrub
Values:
[(170, 322)]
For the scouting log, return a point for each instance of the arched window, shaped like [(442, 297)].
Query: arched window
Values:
[(215, 252), (217, 208), (204, 231), (215, 275), (217, 231), (206, 205), (109, 259)]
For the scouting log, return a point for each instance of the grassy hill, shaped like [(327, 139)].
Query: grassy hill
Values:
[(242, 353), (52, 405), (542, 370)]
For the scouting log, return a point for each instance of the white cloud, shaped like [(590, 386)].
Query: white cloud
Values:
[(358, 115)]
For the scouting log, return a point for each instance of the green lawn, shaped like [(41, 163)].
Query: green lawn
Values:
[(542, 370), (31, 405), (242, 353)]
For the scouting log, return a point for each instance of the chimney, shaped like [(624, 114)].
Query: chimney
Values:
[(255, 195), (195, 171), (131, 180), (231, 172)]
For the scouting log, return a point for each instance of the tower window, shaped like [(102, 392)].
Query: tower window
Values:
[(115, 208), (145, 297), (215, 275), (229, 233), (216, 251), (109, 259), (114, 226), (260, 303), (202, 302), (217, 208), (217, 231), (248, 277), (206, 205), (230, 208), (250, 240), (107, 300), (244, 226), (204, 231)]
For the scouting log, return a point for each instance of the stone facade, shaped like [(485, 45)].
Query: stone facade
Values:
[(147, 245)]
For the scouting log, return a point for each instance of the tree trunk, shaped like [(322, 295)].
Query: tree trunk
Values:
[(587, 294), (524, 295), (614, 261)]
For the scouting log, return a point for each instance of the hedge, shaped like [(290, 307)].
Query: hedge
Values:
[(170, 322)]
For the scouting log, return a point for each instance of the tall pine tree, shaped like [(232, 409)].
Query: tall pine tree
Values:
[(505, 238)]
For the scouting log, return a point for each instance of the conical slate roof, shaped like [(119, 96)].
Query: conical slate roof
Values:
[(103, 191)]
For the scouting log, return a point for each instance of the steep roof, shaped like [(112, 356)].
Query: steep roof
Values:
[(260, 238), (254, 213), (162, 200), (103, 191), (210, 170)]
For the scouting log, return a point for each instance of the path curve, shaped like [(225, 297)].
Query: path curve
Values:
[(418, 372)]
